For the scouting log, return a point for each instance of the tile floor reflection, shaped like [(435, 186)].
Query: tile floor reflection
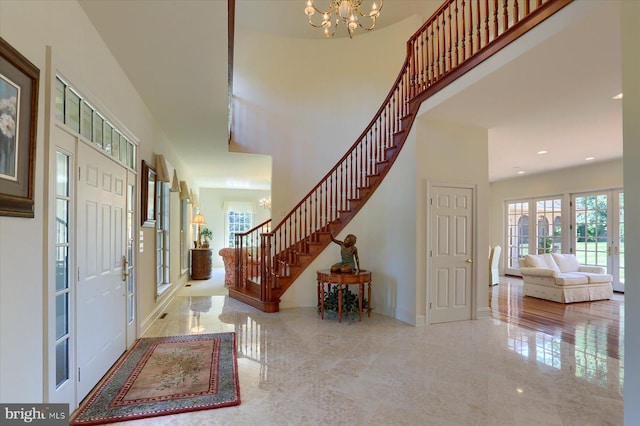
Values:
[(296, 369)]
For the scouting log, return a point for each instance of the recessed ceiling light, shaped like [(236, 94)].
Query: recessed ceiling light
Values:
[(521, 172), (618, 96), (590, 158), (542, 152)]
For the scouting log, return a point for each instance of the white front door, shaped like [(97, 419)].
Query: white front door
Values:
[(450, 262), (101, 292)]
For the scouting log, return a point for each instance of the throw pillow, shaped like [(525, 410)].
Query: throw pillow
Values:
[(550, 261), (535, 261), (542, 261), (567, 262)]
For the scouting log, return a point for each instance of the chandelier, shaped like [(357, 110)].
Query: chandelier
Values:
[(265, 203), (347, 11)]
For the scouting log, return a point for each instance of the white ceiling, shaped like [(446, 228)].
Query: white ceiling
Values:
[(547, 99)]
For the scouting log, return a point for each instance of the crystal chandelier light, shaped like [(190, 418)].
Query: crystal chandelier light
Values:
[(348, 12), (265, 203)]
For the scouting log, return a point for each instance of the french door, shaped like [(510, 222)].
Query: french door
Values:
[(598, 232), (534, 226)]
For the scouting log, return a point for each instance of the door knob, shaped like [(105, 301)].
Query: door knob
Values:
[(469, 260)]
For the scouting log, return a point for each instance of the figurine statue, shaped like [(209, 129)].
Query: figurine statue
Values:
[(349, 254)]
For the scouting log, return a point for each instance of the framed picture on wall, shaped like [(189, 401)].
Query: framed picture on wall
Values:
[(18, 124), (148, 197)]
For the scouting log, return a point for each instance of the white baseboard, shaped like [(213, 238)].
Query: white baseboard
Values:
[(483, 313), (165, 300)]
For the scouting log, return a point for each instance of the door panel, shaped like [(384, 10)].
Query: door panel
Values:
[(101, 321), (451, 258)]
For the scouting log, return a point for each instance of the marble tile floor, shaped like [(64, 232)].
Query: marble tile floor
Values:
[(296, 369)]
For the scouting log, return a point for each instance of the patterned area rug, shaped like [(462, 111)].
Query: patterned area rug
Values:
[(166, 375)]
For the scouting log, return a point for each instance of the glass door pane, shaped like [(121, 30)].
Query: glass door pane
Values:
[(517, 233), (549, 226), (617, 242), (592, 229), (63, 273), (130, 276), (599, 232)]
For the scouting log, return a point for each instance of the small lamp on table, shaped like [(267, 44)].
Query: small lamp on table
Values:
[(198, 220)]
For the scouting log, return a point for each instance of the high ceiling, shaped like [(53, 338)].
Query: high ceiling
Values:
[(557, 98)]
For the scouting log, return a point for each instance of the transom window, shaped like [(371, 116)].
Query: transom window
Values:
[(78, 114)]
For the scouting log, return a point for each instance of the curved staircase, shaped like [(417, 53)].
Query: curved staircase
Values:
[(458, 36)]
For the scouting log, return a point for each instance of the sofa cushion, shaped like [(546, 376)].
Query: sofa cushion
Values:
[(569, 278), (593, 269), (540, 272), (542, 261), (596, 278), (567, 262)]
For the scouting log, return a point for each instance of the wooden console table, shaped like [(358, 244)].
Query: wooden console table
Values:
[(200, 264), (325, 276)]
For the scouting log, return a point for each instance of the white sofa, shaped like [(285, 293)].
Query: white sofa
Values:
[(561, 278)]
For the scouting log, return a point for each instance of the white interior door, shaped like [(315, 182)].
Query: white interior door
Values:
[(101, 293), (450, 262)]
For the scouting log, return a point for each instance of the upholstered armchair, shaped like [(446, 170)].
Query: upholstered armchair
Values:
[(250, 264)]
